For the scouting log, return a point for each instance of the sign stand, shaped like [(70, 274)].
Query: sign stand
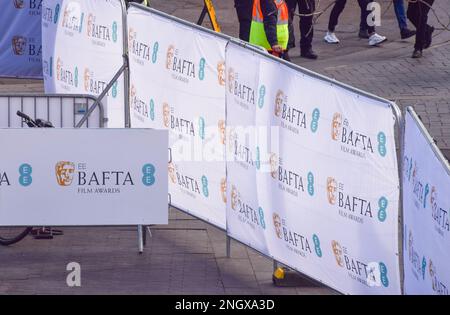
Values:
[(209, 8)]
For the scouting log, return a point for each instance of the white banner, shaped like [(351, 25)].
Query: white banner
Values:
[(315, 182), (56, 177), (177, 76), (20, 42), (426, 207), (82, 51)]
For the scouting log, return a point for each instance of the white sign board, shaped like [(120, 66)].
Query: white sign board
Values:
[(312, 175), (426, 208), (51, 177), (177, 76), (82, 51)]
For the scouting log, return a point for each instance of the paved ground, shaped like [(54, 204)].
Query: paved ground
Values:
[(188, 256)]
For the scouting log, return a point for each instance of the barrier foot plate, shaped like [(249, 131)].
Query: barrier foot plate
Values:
[(285, 277)]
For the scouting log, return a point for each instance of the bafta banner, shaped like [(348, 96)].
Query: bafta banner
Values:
[(177, 75), (82, 51), (426, 207), (20, 42), (312, 174)]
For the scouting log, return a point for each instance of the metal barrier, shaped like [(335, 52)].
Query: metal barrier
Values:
[(63, 110)]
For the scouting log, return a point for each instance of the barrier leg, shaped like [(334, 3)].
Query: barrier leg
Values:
[(228, 247), (149, 231), (140, 239)]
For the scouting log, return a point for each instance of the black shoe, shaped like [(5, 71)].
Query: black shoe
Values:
[(363, 34), (429, 37), (417, 54), (309, 54), (407, 33)]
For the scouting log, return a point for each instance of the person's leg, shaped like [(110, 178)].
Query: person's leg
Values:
[(338, 7), (292, 5), (364, 14), (244, 13), (399, 8), (306, 8)]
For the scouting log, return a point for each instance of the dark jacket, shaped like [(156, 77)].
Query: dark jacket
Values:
[(270, 16)]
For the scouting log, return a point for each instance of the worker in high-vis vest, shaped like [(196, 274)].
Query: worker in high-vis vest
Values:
[(143, 2), (269, 27)]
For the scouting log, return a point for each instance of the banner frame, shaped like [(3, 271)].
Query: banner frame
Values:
[(398, 136)]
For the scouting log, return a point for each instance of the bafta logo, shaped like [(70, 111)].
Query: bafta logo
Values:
[(169, 56), (223, 189), (336, 126), (273, 160), (234, 197), (166, 115), (277, 224), (19, 4), (331, 190), (172, 175), (19, 44), (87, 79), (279, 103), (221, 72), (231, 78), (64, 173), (337, 251)]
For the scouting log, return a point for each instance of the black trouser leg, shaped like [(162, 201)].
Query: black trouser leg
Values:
[(292, 5), (364, 14), (244, 12), (418, 15), (306, 7), (338, 7)]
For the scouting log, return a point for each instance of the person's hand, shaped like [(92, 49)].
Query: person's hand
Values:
[(277, 49)]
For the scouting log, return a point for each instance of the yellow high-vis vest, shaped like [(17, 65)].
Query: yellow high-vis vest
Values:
[(257, 32)]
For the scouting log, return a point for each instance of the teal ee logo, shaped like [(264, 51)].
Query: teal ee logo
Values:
[(262, 94), (382, 205), (424, 266), (55, 19), (384, 275), (114, 31), (81, 22), (50, 67), (317, 248), (149, 174), (25, 178), (76, 77), (315, 120), (311, 184), (201, 128), (155, 52), (261, 218), (258, 158), (201, 71), (152, 110), (205, 186), (114, 89), (382, 144)]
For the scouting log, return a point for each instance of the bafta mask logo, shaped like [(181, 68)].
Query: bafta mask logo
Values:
[(223, 189), (131, 37), (433, 196), (19, 44), (432, 272), (169, 56), (277, 224), (336, 126), (279, 103), (331, 190), (90, 24), (221, 72), (234, 197), (19, 4), (64, 172), (132, 92), (58, 68), (410, 245), (222, 129), (166, 115), (232, 138), (172, 174), (231, 78), (273, 165), (337, 251), (87, 79)]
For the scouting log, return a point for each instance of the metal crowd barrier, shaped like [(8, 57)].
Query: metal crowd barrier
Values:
[(63, 110)]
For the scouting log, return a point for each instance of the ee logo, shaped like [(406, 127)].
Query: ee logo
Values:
[(25, 178)]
